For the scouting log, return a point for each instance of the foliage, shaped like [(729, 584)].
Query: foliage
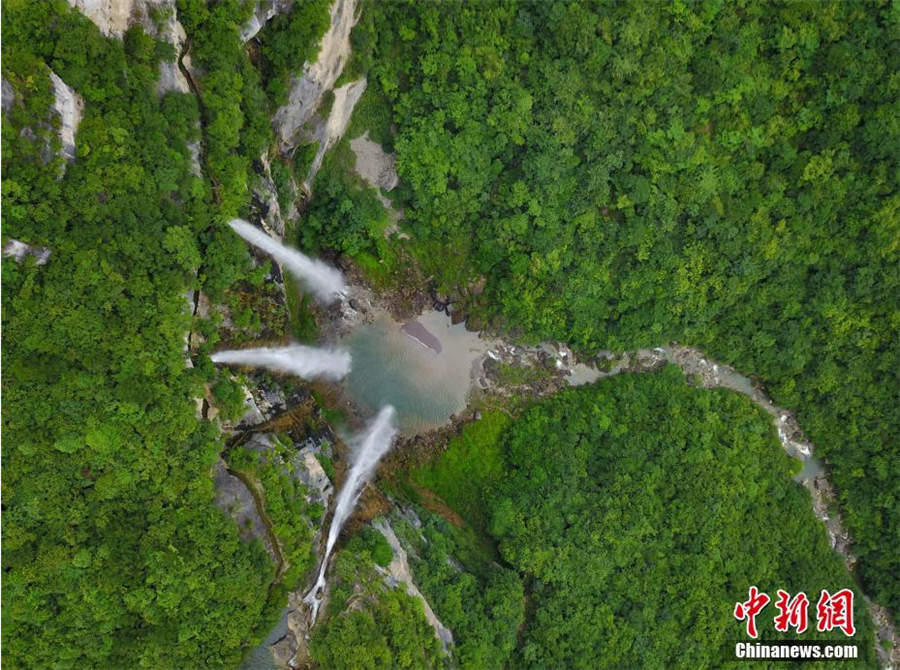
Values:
[(469, 468), (639, 511), (345, 214), (369, 625), (373, 542), (480, 601), (626, 174), (287, 41), (113, 552), (285, 505)]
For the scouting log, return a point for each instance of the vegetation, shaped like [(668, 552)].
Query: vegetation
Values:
[(367, 624), (469, 468), (113, 553), (626, 174), (621, 174), (345, 214), (285, 505), (480, 601), (288, 40), (637, 512)]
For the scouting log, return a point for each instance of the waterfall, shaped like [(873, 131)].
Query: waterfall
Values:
[(325, 281), (369, 447), (304, 362)]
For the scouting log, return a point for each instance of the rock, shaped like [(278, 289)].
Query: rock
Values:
[(328, 133), (283, 650), (261, 443), (70, 108), (112, 17), (309, 471), (115, 17), (307, 90), (233, 498), (476, 287), (475, 322), (399, 573), (264, 12), (373, 164), (9, 95), (19, 250)]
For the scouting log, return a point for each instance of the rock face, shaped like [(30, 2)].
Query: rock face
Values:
[(233, 498), (307, 90), (170, 75), (309, 471), (9, 95), (112, 17), (399, 573), (328, 133), (157, 17), (19, 250), (70, 108), (264, 12)]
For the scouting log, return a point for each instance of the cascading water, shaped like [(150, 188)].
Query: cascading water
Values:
[(305, 362), (369, 447), (325, 281)]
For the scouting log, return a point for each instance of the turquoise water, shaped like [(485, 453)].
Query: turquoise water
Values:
[(261, 657), (426, 379)]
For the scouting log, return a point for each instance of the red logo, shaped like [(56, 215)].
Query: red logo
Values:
[(832, 611), (792, 612), (750, 608), (835, 611)]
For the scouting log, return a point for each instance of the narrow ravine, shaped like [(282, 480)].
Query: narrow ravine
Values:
[(252, 485)]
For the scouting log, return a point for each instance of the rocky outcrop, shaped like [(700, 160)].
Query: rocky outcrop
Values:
[(266, 196), (157, 17), (171, 78), (308, 89), (112, 17), (70, 108), (9, 95), (398, 572), (376, 167), (328, 133), (263, 12), (374, 164), (309, 471), (233, 498), (19, 250)]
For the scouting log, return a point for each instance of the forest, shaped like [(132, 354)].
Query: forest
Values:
[(614, 174), (634, 513), (113, 553), (722, 175)]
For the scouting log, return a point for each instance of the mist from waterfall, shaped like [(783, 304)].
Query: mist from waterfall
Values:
[(304, 362), (326, 282), (368, 448)]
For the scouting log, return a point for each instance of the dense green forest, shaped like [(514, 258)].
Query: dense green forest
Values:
[(367, 624), (637, 512), (625, 174), (621, 174), (113, 553)]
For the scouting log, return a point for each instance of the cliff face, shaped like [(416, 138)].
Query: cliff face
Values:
[(158, 18), (70, 108), (263, 12), (307, 90)]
